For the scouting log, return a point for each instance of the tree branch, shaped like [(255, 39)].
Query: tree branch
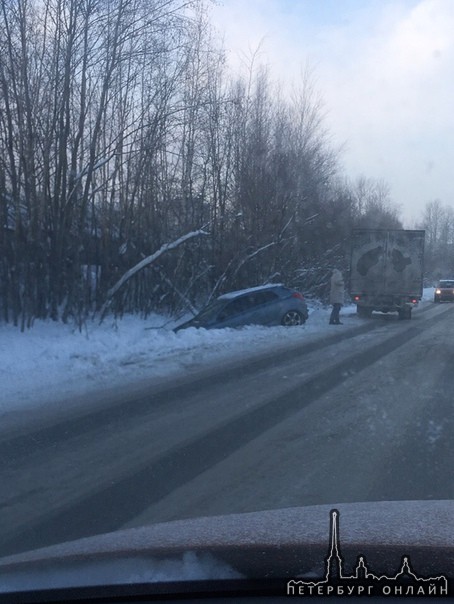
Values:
[(146, 262)]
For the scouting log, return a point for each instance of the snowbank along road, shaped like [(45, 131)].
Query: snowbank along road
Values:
[(360, 415)]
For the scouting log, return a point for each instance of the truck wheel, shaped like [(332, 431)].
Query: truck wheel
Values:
[(405, 314), (364, 312)]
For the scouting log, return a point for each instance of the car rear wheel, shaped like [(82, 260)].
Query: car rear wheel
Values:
[(292, 317)]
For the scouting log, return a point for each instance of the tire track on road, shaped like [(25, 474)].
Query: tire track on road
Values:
[(106, 509), (140, 402)]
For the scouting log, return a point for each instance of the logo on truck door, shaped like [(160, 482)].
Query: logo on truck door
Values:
[(399, 260), (372, 257), (368, 260)]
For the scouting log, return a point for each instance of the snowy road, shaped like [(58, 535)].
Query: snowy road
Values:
[(363, 414)]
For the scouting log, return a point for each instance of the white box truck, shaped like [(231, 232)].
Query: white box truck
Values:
[(386, 270)]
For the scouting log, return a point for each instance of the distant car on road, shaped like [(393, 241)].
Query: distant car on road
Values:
[(267, 305), (444, 290)]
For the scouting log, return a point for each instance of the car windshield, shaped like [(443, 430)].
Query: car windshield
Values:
[(212, 310), (280, 171)]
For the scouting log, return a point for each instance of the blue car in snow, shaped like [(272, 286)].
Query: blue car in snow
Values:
[(272, 304)]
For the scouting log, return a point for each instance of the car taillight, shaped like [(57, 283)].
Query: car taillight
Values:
[(414, 300), (356, 298), (298, 295)]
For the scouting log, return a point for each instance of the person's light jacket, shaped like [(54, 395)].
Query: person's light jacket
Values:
[(337, 288)]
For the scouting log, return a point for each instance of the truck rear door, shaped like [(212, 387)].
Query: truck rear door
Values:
[(387, 262)]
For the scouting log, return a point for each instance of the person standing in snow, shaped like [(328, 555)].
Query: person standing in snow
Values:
[(336, 297)]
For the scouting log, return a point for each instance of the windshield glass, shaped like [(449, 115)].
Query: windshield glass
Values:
[(446, 284), (291, 156), (212, 310)]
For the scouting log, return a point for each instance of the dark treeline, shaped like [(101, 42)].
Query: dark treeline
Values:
[(121, 131), (438, 222)]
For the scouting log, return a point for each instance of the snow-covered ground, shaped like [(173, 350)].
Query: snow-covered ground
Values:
[(52, 361)]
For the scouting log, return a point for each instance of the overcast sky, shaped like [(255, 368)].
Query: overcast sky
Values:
[(385, 70)]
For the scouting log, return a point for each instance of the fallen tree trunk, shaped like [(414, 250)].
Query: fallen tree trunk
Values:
[(144, 263)]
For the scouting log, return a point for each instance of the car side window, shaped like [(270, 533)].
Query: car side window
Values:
[(263, 297), (256, 299), (233, 308), (245, 303)]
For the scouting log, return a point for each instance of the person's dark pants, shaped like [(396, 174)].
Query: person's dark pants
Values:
[(334, 318)]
